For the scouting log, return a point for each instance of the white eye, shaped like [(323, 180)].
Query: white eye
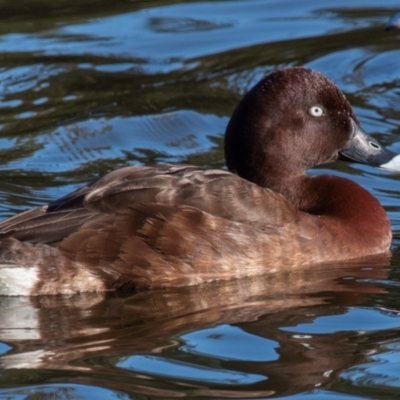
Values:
[(316, 111)]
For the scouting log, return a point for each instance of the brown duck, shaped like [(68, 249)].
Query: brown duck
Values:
[(176, 225)]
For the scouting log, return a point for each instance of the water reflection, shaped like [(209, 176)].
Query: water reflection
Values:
[(238, 339)]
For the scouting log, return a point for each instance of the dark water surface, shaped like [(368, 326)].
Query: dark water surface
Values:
[(90, 86)]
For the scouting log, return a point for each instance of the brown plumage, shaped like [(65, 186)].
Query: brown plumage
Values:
[(174, 225)]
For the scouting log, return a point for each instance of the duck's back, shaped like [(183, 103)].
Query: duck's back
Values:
[(215, 192)]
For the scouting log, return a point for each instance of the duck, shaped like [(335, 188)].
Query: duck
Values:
[(144, 227)]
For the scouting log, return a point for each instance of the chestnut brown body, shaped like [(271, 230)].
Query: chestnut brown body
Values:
[(175, 225)]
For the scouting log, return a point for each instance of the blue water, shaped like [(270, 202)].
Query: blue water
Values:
[(89, 87)]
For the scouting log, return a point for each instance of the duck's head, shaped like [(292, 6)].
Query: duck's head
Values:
[(293, 120)]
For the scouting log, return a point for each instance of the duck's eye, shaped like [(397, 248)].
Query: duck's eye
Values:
[(316, 111)]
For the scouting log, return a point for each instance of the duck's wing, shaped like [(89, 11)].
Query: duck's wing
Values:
[(53, 222), (219, 193), (40, 226), (215, 192)]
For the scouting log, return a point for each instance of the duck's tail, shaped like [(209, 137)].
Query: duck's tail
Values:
[(28, 269)]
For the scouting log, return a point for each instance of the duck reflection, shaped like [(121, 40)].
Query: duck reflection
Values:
[(146, 342)]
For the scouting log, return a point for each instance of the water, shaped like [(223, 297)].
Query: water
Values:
[(86, 88)]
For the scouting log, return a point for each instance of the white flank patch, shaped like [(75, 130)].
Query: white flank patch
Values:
[(17, 280), (393, 164)]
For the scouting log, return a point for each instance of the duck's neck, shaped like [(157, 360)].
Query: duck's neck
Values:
[(328, 195), (320, 195), (344, 203)]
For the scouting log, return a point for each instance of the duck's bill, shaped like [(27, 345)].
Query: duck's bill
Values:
[(366, 150)]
